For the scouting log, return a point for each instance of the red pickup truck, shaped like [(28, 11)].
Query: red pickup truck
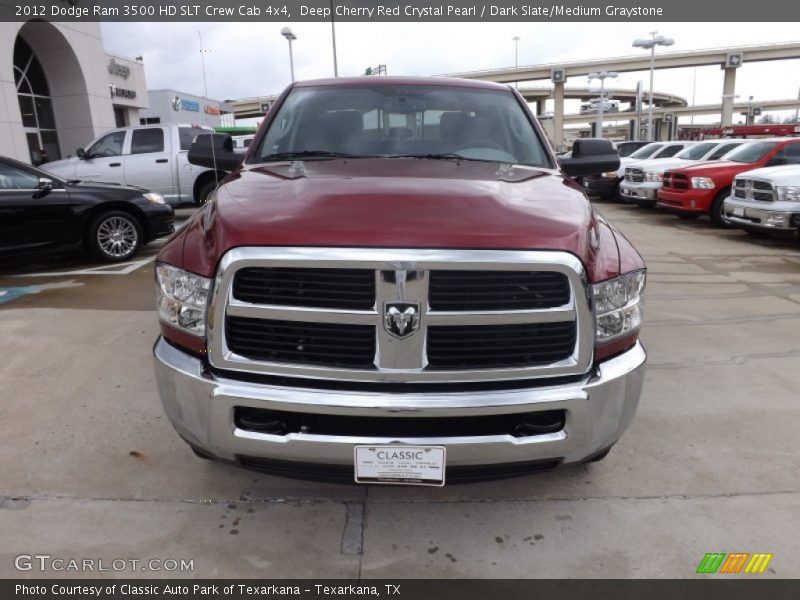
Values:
[(399, 284), (702, 189)]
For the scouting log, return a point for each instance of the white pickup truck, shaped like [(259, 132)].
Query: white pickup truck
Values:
[(151, 157), (766, 200)]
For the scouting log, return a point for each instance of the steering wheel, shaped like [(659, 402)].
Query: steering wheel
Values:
[(476, 143)]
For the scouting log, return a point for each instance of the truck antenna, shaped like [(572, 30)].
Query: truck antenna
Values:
[(203, 52)]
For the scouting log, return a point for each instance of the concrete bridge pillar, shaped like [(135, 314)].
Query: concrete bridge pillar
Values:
[(558, 114), (728, 88)]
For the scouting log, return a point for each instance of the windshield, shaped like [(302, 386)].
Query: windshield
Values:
[(388, 120), (750, 153), (696, 152), (646, 151), (627, 149)]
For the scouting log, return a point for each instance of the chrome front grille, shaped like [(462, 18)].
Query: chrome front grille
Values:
[(497, 290), (753, 189), (634, 175), (399, 315)]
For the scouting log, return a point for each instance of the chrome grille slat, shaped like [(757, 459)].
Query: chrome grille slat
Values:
[(747, 188), (407, 277)]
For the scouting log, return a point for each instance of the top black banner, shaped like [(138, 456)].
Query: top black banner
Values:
[(401, 10)]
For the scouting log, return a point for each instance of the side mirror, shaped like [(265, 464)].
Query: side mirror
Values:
[(590, 156), (215, 151), (81, 153), (45, 184)]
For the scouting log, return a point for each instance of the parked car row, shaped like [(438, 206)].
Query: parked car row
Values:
[(753, 184)]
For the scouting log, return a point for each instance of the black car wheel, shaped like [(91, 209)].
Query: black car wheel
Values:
[(115, 236), (205, 192), (717, 208)]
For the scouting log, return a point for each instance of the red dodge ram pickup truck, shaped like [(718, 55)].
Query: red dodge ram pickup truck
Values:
[(399, 284), (702, 189)]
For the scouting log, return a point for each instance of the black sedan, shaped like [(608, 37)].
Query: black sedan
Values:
[(42, 215)]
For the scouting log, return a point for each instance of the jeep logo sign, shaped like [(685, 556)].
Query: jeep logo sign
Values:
[(119, 70)]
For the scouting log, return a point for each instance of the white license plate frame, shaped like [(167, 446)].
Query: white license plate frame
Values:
[(738, 211), (400, 464)]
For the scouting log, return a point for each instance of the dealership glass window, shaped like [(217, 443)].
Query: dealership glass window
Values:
[(145, 141), (120, 116), (108, 145), (13, 178), (35, 105)]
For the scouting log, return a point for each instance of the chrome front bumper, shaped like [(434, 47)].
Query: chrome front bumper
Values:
[(769, 216), (639, 191), (200, 406)]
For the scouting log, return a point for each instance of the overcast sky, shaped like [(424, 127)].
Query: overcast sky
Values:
[(251, 59)]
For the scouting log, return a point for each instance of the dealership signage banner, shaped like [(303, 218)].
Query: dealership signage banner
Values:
[(400, 10)]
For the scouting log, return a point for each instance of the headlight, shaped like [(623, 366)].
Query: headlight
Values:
[(611, 175), (618, 304), (702, 183), (154, 198), (657, 176), (182, 298), (789, 193)]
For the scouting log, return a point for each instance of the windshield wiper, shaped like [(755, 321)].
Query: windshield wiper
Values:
[(308, 154), (441, 156)]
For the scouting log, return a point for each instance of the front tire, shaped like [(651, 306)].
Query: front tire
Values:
[(718, 208), (115, 236), (205, 192)]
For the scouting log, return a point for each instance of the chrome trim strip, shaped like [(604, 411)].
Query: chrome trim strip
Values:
[(399, 360)]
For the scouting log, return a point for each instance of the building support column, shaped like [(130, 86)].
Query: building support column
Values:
[(728, 90), (540, 104), (558, 114)]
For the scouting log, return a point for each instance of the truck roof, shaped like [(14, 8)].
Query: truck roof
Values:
[(394, 80)]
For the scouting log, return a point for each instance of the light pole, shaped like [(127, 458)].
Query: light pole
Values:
[(515, 39), (602, 76), (290, 37), (655, 40)]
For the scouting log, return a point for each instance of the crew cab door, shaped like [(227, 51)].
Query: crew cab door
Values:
[(103, 159), (31, 219), (150, 162)]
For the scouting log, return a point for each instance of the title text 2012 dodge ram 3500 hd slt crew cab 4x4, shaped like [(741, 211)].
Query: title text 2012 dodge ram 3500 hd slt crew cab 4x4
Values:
[(399, 284)]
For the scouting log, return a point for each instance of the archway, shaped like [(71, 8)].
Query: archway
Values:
[(51, 91)]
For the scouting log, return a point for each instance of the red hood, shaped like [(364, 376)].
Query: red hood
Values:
[(717, 167), (408, 203)]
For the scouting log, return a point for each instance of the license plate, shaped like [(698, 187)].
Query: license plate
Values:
[(738, 211), (628, 191), (400, 464)]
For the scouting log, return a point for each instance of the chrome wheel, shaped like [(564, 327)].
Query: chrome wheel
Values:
[(117, 236)]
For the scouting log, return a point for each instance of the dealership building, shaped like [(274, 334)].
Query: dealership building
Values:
[(172, 106), (59, 89)]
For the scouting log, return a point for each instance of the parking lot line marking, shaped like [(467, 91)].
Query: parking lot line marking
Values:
[(8, 294), (118, 269)]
